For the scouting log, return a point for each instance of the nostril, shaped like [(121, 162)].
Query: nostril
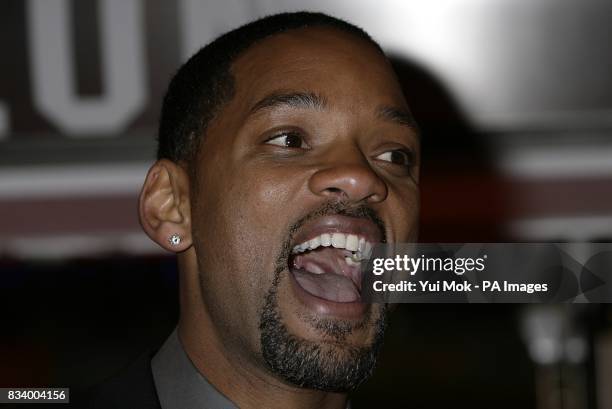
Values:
[(352, 182), (334, 190)]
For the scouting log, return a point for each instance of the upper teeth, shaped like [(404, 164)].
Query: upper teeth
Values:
[(351, 242)]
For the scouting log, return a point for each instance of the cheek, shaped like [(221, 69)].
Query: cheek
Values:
[(273, 203), (405, 208), (246, 218), (236, 223)]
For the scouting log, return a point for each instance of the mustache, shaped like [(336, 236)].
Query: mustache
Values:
[(341, 208)]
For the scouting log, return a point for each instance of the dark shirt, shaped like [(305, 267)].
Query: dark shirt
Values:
[(133, 388)]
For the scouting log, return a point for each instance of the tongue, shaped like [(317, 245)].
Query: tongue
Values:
[(325, 274), (329, 286)]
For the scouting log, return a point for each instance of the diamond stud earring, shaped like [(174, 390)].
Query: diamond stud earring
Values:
[(174, 240)]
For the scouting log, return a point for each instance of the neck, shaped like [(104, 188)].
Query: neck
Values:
[(246, 382)]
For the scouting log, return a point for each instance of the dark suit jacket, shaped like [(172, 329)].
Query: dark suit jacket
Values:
[(133, 388)]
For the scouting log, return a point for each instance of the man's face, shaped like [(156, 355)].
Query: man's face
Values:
[(312, 162)]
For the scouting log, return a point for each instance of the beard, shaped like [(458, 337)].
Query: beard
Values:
[(331, 365), (326, 366)]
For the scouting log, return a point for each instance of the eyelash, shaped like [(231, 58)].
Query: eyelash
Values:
[(408, 155), (287, 133)]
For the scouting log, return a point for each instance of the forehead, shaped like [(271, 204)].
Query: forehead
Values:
[(340, 66)]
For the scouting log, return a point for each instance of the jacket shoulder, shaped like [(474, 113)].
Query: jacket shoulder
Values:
[(132, 388)]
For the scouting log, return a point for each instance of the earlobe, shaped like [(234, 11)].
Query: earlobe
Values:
[(164, 206)]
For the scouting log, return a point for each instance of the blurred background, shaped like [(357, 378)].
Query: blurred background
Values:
[(515, 102)]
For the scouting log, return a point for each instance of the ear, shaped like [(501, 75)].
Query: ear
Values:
[(164, 206)]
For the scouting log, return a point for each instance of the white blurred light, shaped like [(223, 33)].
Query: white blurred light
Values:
[(542, 328), (557, 161), (72, 180), (570, 228), (576, 350), (545, 351), (58, 247)]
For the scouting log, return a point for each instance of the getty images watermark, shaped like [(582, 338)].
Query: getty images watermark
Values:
[(483, 273)]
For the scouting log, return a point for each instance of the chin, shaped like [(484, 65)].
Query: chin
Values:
[(323, 348)]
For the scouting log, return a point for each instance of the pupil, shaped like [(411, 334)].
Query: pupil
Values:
[(398, 157), (293, 141)]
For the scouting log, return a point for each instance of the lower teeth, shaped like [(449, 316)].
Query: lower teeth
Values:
[(352, 260)]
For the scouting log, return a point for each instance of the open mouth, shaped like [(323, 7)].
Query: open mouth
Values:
[(329, 265)]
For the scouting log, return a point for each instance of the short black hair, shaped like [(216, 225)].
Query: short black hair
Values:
[(204, 83)]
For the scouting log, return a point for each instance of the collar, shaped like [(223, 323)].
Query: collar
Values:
[(179, 384)]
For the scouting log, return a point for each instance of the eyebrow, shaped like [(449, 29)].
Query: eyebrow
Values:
[(298, 100), (310, 100), (398, 116)]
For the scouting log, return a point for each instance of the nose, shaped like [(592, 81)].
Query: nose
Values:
[(348, 176)]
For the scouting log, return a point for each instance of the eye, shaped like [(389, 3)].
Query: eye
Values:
[(288, 140), (398, 157)]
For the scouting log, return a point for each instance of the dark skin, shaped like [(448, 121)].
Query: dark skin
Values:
[(259, 169)]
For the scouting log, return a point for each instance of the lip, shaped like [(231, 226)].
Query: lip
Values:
[(339, 224), (322, 307)]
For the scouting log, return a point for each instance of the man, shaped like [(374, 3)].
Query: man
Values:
[(286, 151)]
